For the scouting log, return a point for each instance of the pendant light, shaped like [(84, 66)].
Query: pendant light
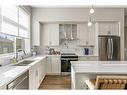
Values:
[(91, 10), (89, 21), (90, 15)]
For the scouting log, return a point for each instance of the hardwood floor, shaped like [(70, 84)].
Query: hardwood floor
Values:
[(56, 82)]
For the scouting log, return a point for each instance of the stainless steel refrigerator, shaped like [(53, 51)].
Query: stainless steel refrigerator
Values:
[(109, 48)]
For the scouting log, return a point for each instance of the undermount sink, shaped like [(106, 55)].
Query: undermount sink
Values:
[(24, 63)]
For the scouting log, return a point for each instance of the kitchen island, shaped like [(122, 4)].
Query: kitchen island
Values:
[(84, 70)]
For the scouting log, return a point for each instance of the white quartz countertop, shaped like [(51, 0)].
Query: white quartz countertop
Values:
[(100, 67), (8, 73)]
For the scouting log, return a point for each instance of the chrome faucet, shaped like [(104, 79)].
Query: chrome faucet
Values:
[(17, 55)]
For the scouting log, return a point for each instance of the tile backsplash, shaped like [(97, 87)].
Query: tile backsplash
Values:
[(67, 46)]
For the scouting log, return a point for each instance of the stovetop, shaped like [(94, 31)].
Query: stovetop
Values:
[(68, 54)]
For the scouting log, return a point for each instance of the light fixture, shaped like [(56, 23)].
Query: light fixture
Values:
[(89, 21), (91, 10)]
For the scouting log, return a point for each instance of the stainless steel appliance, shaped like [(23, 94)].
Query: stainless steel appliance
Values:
[(20, 83), (109, 47), (66, 58)]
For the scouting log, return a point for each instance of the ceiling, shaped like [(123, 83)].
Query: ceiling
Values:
[(78, 6)]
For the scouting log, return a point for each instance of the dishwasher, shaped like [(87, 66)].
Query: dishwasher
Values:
[(20, 83)]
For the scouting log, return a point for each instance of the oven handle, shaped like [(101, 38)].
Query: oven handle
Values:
[(69, 59)]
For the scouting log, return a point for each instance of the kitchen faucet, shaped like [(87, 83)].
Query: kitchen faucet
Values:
[(17, 55)]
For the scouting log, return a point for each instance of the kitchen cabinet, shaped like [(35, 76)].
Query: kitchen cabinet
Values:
[(53, 65), (36, 74), (108, 28), (87, 58), (48, 65), (49, 34), (36, 33), (86, 35), (56, 64), (42, 70), (68, 31), (33, 77)]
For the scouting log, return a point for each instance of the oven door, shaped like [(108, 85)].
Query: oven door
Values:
[(64, 65)]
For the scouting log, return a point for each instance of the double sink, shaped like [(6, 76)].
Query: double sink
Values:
[(24, 63)]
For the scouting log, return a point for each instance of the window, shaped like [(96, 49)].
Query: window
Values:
[(14, 23), (9, 20), (24, 22), (6, 43), (10, 12)]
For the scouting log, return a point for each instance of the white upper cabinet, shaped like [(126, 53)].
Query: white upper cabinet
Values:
[(68, 31), (49, 34), (36, 34), (108, 28), (86, 35)]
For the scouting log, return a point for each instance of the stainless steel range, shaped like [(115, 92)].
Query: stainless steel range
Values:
[(66, 58)]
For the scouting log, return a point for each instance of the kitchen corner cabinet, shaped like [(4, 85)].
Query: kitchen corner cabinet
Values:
[(86, 35), (108, 28), (49, 34), (53, 65), (36, 74)]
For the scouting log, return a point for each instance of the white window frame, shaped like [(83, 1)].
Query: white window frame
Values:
[(19, 26)]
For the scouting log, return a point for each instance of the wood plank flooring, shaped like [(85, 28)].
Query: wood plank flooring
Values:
[(56, 82)]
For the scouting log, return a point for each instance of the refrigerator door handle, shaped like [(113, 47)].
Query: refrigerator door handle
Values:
[(108, 49), (112, 48)]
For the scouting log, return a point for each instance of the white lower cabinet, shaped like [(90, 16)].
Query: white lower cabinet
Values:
[(42, 70), (33, 77), (53, 65), (37, 74)]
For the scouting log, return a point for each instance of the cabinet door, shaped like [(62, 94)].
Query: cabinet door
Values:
[(48, 65), (32, 78), (56, 64), (82, 34), (54, 34), (45, 36), (50, 34), (108, 28), (42, 72), (36, 34), (92, 37)]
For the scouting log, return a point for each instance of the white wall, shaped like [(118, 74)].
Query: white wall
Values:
[(77, 15)]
